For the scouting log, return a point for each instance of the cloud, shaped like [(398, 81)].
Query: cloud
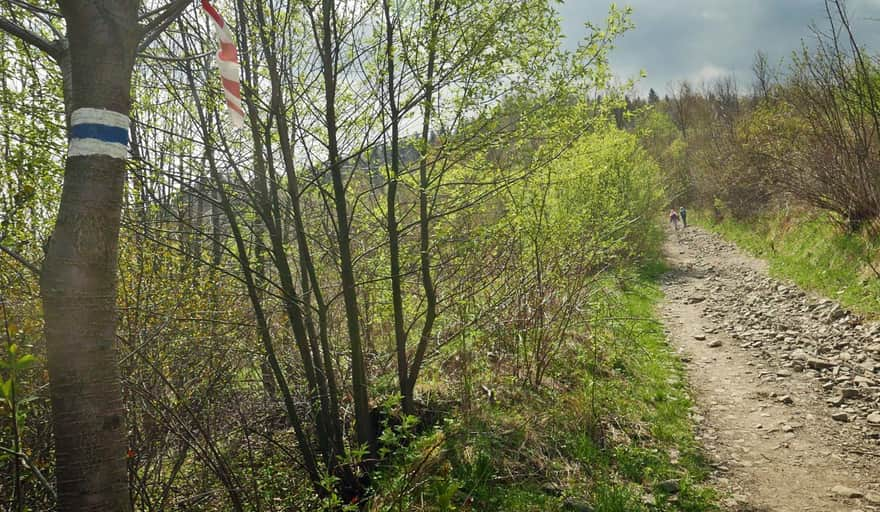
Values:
[(703, 39), (713, 15), (708, 73)]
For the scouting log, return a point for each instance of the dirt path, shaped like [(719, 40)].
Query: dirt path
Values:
[(787, 384)]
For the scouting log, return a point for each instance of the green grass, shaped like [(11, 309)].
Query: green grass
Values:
[(612, 423), (812, 251)]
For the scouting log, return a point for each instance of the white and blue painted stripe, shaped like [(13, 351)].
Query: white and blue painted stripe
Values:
[(96, 131)]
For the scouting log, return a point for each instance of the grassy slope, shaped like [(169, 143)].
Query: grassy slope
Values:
[(613, 424), (812, 252)]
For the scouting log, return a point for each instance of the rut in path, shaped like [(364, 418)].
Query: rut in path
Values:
[(787, 384)]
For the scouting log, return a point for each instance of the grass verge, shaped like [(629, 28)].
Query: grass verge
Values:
[(610, 431), (812, 251)]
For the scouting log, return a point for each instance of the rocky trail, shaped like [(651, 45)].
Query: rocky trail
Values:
[(787, 384)]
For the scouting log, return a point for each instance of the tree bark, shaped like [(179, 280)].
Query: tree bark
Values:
[(78, 281)]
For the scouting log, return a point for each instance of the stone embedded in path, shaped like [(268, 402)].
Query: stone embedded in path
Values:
[(799, 355), (700, 337), (874, 418), (819, 364), (850, 393), (714, 343), (840, 416), (846, 492)]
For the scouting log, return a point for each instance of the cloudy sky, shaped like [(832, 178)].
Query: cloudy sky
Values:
[(703, 39)]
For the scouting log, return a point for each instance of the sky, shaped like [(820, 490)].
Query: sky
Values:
[(700, 40)]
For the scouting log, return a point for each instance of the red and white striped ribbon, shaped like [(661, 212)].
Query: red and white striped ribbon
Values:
[(227, 61)]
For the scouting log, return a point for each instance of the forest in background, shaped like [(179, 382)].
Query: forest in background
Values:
[(422, 277), (786, 165)]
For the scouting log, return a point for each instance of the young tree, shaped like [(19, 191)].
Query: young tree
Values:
[(310, 221), (763, 80)]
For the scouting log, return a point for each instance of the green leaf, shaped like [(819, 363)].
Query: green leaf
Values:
[(6, 389), (24, 362)]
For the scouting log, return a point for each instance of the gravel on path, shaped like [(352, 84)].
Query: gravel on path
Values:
[(787, 384)]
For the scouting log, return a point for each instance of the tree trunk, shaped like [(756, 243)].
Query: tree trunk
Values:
[(301, 320), (329, 48), (425, 218), (391, 209), (78, 282)]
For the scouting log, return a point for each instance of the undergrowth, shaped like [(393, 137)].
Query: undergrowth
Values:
[(813, 251), (609, 432)]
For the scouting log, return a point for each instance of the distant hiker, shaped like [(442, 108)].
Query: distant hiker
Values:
[(673, 218), (684, 216)]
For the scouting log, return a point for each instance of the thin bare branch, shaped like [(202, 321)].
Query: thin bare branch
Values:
[(51, 48), (160, 22), (35, 8), (21, 259), (175, 59)]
